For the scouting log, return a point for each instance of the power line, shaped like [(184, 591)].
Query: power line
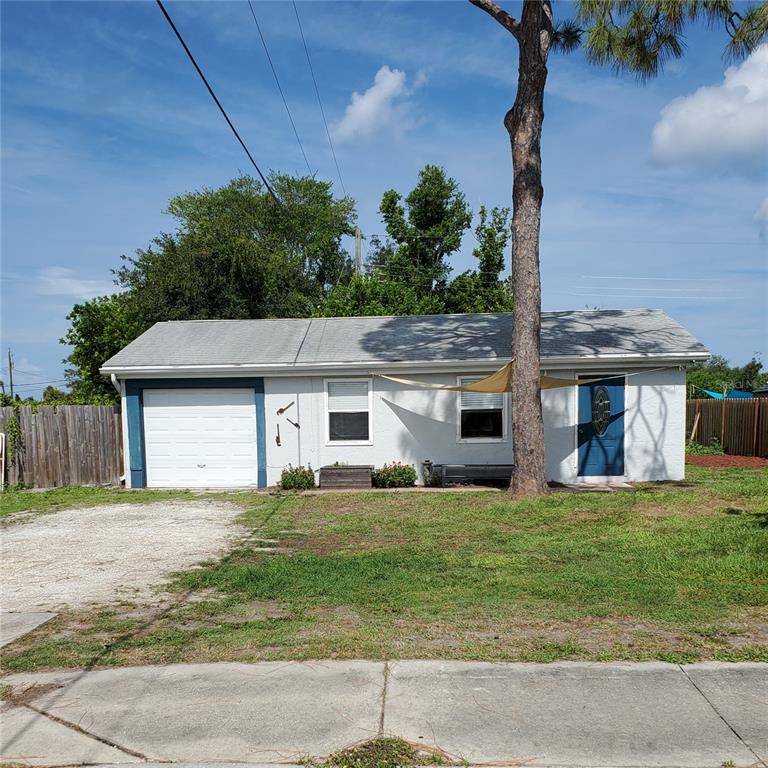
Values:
[(319, 100), (39, 385), (29, 373), (279, 87), (216, 100)]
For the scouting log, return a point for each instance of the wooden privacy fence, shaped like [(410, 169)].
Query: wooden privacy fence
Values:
[(64, 445), (741, 426)]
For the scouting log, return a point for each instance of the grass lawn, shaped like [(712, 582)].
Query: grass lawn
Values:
[(16, 502), (677, 572)]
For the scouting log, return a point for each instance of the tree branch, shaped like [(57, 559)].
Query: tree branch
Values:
[(498, 13)]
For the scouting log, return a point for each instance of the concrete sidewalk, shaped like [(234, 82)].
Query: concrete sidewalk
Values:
[(565, 714)]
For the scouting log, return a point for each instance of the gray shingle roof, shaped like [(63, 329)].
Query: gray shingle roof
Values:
[(428, 338)]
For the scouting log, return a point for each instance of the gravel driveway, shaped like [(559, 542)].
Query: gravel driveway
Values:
[(116, 551)]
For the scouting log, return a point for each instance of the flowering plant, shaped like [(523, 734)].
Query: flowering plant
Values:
[(394, 475), (297, 478)]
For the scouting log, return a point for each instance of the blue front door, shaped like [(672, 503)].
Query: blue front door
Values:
[(600, 431)]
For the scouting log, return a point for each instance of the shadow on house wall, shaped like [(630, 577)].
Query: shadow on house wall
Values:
[(488, 337)]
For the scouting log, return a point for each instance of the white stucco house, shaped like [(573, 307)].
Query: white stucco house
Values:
[(230, 403)]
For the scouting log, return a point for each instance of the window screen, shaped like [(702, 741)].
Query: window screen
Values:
[(348, 411), (482, 414)]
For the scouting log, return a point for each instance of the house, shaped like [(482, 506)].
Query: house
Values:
[(228, 403)]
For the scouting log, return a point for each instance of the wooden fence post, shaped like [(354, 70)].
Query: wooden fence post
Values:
[(722, 423), (754, 428)]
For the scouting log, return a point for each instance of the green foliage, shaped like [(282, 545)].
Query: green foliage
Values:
[(237, 254), (639, 36), (53, 394), (469, 292), (426, 227), (394, 475), (22, 500), (717, 375), (697, 449), (747, 29), (408, 273), (99, 328), (14, 436), (369, 294), (492, 235), (297, 478), (379, 752)]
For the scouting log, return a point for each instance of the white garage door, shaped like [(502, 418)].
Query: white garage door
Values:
[(204, 438)]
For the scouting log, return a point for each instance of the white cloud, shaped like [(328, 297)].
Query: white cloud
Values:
[(422, 78), (376, 108), (761, 214), (725, 122), (60, 281)]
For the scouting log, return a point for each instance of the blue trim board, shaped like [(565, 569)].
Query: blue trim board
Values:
[(261, 434), (134, 408)]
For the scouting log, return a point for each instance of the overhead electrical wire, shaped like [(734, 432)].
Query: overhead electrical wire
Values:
[(279, 87), (319, 100), (29, 373), (216, 100), (39, 384)]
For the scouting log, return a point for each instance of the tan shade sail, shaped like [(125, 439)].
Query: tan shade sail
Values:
[(498, 381)]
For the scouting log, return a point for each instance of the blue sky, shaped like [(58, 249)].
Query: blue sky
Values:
[(655, 195)]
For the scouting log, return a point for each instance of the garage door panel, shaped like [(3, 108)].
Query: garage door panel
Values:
[(200, 437)]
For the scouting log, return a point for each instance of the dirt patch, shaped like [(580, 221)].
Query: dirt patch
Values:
[(726, 460), (590, 634), (339, 615), (243, 613), (27, 694), (754, 635), (103, 554)]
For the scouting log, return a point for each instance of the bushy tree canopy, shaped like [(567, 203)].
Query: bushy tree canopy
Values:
[(717, 375), (99, 328), (426, 227), (237, 253), (409, 272)]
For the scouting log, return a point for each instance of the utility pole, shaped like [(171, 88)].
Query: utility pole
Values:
[(358, 250), (10, 371)]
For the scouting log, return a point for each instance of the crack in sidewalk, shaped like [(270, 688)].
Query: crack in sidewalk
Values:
[(760, 761), (384, 698), (78, 729)]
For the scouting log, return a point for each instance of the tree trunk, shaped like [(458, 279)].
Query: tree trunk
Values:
[(524, 123)]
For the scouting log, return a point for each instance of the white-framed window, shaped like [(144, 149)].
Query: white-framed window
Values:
[(482, 415), (348, 411)]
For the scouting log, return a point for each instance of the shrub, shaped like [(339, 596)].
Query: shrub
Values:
[(297, 478), (697, 449), (394, 475)]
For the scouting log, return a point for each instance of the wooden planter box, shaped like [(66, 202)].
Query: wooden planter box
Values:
[(347, 476)]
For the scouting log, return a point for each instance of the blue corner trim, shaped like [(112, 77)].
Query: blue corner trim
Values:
[(261, 434), (134, 407)]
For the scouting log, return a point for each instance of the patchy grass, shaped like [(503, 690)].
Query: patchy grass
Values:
[(15, 502), (382, 752), (676, 572)]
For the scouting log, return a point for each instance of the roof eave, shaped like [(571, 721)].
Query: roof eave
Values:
[(291, 369)]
